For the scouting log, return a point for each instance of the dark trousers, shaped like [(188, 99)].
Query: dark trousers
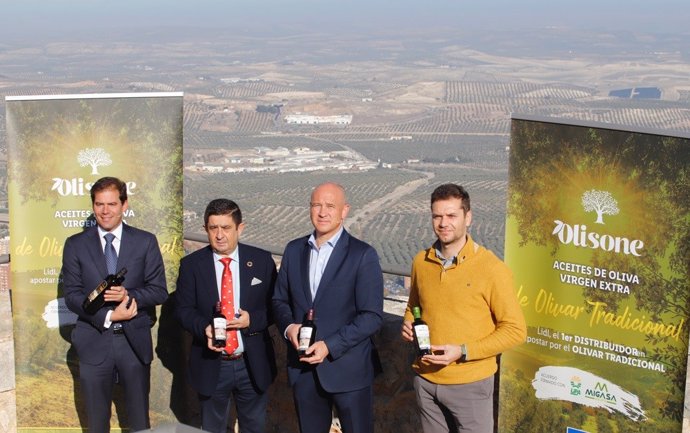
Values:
[(315, 407), (234, 382), (97, 383)]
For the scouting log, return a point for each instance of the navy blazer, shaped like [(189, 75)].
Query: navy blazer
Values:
[(196, 298), (83, 269), (348, 310)]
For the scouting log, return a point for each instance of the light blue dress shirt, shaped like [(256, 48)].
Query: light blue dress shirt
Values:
[(318, 259)]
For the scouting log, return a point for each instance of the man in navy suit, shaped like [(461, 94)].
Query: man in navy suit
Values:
[(246, 373), (339, 277), (114, 341)]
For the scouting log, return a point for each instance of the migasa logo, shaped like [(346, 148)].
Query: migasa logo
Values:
[(601, 392), (582, 387), (603, 203), (92, 157)]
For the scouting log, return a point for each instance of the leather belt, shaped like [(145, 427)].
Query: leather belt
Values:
[(118, 329), (225, 357)]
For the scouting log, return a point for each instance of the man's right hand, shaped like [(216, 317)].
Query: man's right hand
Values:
[(292, 334), (406, 331), (209, 340), (124, 312)]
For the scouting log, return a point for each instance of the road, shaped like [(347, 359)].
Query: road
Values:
[(362, 217)]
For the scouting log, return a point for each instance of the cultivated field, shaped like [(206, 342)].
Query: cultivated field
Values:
[(427, 113)]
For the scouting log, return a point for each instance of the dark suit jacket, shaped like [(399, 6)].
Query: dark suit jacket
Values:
[(348, 310), (197, 295), (83, 268)]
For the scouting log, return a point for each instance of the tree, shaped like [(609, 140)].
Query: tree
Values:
[(603, 423), (93, 156), (601, 202)]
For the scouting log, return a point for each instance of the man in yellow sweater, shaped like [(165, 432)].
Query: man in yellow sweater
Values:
[(467, 298)]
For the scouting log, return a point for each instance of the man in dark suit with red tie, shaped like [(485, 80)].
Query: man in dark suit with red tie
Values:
[(115, 340), (241, 278), (339, 277)]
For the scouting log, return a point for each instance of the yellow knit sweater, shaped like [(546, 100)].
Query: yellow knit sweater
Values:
[(473, 303)]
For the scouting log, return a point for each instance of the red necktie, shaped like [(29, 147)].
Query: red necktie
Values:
[(227, 304)]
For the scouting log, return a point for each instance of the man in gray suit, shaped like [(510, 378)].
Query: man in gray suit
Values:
[(115, 340)]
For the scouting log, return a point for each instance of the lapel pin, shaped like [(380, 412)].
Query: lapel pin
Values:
[(250, 264)]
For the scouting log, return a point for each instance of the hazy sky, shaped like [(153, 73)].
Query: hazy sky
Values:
[(24, 19)]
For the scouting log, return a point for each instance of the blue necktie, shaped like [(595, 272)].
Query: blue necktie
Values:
[(110, 254)]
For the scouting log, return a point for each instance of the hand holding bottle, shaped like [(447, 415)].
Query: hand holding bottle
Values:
[(216, 330), (292, 334), (444, 354), (240, 321), (406, 331), (125, 310), (306, 334), (420, 330), (96, 299), (316, 353), (115, 294)]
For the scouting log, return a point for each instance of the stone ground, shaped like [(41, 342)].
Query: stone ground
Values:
[(8, 418)]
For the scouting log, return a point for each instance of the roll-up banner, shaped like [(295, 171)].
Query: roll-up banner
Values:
[(598, 238), (58, 147)]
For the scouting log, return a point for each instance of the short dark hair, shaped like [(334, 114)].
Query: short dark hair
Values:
[(451, 190), (109, 183), (223, 206)]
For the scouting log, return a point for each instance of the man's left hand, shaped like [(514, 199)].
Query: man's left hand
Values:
[(125, 310), (239, 322), (115, 294), (315, 353), (444, 355)]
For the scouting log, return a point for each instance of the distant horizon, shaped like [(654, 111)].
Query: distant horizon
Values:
[(45, 20)]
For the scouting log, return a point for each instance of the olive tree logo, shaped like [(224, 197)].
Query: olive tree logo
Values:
[(601, 202), (95, 157)]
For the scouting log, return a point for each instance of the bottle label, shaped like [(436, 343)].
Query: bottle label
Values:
[(305, 337), (219, 331), (422, 333)]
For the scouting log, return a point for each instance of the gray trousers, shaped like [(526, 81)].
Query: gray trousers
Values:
[(465, 408)]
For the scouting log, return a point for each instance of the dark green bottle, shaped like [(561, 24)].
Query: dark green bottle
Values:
[(421, 333)]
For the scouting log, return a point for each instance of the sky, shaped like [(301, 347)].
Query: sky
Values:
[(28, 19)]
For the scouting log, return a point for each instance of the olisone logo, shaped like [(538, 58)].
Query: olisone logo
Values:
[(94, 157), (603, 203)]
